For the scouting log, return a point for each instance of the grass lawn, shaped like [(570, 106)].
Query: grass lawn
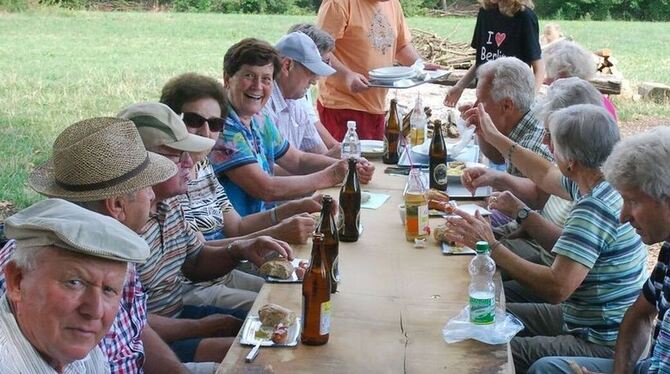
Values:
[(57, 67)]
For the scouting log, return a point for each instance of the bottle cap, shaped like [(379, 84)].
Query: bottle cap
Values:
[(482, 247), (351, 124)]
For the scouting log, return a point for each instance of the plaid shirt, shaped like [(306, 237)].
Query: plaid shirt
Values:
[(528, 133), (122, 345)]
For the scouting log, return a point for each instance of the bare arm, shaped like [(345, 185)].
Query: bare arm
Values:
[(173, 329), (634, 333), (490, 151), (326, 137), (542, 172), (456, 91), (523, 188), (543, 231), (538, 72), (407, 55), (298, 162), (158, 357), (254, 181)]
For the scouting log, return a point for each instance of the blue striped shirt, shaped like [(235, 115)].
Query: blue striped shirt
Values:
[(615, 255), (657, 292), (171, 242)]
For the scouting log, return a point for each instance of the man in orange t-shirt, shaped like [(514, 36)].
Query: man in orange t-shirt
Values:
[(368, 34)]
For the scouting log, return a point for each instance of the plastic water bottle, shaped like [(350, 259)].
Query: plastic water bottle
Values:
[(482, 289), (351, 145)]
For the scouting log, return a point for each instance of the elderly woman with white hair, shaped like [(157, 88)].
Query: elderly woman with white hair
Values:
[(637, 169), (565, 59), (599, 265), (532, 237)]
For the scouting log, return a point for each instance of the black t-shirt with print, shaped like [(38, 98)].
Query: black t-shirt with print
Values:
[(497, 35)]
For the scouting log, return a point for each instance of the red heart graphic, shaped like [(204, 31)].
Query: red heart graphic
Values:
[(500, 38)]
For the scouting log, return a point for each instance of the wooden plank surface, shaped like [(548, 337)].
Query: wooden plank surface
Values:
[(390, 308)]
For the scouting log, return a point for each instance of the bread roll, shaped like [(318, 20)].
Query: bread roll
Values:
[(273, 314), (279, 268)]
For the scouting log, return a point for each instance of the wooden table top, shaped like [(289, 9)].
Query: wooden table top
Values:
[(390, 308)]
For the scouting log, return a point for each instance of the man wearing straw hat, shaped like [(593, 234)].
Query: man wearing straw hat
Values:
[(64, 284), (177, 253), (101, 164)]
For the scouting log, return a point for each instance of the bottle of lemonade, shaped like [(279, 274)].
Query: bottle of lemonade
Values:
[(416, 207)]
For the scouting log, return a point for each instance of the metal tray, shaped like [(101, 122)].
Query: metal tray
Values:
[(253, 324), (430, 76)]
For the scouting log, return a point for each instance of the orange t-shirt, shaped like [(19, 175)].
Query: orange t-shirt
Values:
[(368, 34)]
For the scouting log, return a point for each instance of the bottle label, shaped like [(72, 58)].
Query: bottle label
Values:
[(424, 226), (482, 310), (440, 174), (324, 325)]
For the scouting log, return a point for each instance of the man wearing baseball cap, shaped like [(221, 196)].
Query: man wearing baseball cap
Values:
[(64, 285), (301, 67), (177, 253)]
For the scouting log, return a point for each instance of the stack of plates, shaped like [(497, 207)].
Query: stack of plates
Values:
[(392, 73)]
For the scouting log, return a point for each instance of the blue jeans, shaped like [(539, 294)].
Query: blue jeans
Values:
[(561, 365), (185, 348)]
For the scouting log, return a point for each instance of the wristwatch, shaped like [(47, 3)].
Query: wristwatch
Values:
[(522, 214)]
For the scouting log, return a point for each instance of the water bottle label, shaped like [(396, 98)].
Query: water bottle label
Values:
[(324, 325), (482, 311)]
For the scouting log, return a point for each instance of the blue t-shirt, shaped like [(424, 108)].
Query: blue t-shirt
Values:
[(238, 146), (594, 237)]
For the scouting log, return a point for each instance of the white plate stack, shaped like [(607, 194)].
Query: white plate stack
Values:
[(392, 73)]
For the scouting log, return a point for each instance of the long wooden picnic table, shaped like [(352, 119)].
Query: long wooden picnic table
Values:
[(390, 308)]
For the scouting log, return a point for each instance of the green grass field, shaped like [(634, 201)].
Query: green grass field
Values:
[(57, 67)]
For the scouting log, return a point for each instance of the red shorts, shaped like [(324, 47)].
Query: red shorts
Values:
[(368, 125)]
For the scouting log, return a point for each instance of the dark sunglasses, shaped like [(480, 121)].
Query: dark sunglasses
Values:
[(195, 121)]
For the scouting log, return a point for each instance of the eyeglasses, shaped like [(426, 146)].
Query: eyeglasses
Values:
[(177, 158), (194, 120)]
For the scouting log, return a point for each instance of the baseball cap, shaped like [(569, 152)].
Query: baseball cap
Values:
[(301, 48)]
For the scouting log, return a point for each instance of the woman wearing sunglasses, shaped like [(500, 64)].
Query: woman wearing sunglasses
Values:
[(202, 103)]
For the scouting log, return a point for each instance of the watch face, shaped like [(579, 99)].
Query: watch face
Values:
[(523, 214)]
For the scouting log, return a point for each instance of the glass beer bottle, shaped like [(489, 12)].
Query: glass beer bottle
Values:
[(331, 241), (392, 135), (350, 206), (438, 160), (416, 207), (316, 297)]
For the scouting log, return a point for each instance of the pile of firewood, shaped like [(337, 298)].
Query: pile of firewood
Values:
[(441, 51)]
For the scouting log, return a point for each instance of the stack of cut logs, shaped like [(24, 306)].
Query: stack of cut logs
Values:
[(441, 51)]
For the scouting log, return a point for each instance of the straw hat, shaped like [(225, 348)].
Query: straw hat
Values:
[(99, 158)]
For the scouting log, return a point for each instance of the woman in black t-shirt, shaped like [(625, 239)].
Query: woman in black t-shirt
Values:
[(504, 28)]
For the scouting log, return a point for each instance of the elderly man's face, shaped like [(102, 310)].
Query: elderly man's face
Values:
[(178, 184), (136, 210), (494, 109), (295, 79), (67, 303), (649, 217)]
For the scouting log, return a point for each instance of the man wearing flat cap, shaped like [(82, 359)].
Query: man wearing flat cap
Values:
[(102, 165), (177, 253), (64, 283)]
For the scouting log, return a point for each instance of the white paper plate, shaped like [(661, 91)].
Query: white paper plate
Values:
[(293, 278), (392, 72), (457, 178), (372, 148), (253, 324)]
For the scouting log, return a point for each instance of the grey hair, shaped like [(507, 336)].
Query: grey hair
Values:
[(584, 133), (26, 258), (323, 40), (640, 161), (510, 78), (568, 59), (569, 91), (98, 206)]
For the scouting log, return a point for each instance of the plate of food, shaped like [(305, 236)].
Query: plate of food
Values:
[(274, 326), (372, 148), (281, 270), (448, 249)]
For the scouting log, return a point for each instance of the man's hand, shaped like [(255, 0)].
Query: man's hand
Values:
[(336, 172), (296, 229), (467, 229), (365, 170), (506, 203), (219, 326), (430, 66), (475, 177), (356, 82), (256, 249), (485, 127)]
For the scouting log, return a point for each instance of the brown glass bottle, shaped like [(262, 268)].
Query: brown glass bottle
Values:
[(438, 159), (391, 135), (316, 297), (350, 206), (331, 240)]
